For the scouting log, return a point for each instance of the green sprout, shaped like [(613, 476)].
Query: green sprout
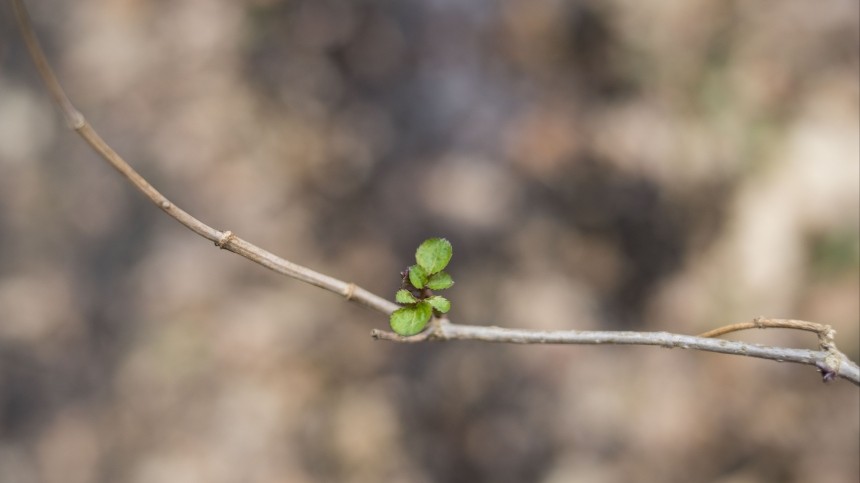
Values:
[(416, 291)]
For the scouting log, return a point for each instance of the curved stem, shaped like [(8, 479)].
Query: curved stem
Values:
[(829, 360), (223, 239)]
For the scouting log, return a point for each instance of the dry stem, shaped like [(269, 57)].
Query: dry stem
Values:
[(226, 239), (828, 360), (763, 323)]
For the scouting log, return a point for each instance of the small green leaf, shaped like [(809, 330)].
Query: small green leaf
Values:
[(439, 303), (434, 254), (417, 276), (404, 297), (439, 281), (411, 320)]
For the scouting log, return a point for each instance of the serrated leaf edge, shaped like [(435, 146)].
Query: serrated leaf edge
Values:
[(429, 270), (439, 299), (403, 294), (435, 277), (413, 308), (417, 274)]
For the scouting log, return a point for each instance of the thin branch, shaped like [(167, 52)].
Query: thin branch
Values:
[(828, 360), (223, 239), (763, 323)]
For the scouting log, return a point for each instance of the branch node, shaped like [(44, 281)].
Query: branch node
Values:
[(75, 119), (165, 205), (226, 238), (349, 293), (829, 367), (826, 338)]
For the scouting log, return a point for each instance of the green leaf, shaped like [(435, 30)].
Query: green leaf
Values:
[(411, 320), (439, 281), (434, 254), (417, 276), (439, 303), (404, 297)]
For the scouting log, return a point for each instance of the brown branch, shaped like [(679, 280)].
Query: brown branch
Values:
[(764, 323), (223, 239), (828, 360)]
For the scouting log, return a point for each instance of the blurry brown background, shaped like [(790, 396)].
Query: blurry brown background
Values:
[(665, 165)]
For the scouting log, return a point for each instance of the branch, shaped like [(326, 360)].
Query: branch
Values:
[(828, 360), (222, 239), (762, 323)]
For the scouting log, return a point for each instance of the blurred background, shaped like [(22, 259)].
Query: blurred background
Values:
[(666, 165)]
